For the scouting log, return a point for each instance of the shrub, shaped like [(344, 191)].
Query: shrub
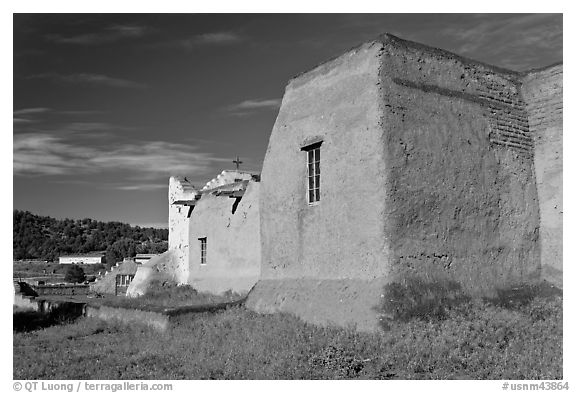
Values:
[(520, 296), (75, 273)]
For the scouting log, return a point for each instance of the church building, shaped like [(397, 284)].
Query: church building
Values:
[(392, 161)]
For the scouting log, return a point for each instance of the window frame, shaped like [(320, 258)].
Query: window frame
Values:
[(313, 172), (203, 250), (124, 280)]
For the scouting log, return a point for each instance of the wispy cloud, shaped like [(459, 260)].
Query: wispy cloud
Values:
[(30, 111), (217, 38), (521, 38), (21, 120), (42, 110), (51, 120), (109, 34), (254, 105), (142, 187), (40, 154), (90, 79)]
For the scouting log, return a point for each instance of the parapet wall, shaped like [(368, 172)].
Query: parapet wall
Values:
[(180, 189), (542, 90)]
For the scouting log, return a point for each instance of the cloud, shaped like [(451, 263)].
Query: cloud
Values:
[(19, 120), (250, 106), (30, 111), (142, 187), (27, 116), (109, 34), (38, 111), (218, 38), (40, 154), (90, 79), (511, 41)]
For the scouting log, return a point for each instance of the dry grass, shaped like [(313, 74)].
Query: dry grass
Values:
[(165, 295), (473, 340)]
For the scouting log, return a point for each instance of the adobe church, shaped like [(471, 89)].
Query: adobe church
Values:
[(394, 160)]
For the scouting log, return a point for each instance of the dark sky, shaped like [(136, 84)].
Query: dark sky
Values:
[(107, 107)]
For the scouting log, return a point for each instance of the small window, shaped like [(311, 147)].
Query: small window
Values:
[(313, 170), (202, 241), (124, 280)]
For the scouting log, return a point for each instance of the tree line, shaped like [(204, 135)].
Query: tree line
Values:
[(47, 238)]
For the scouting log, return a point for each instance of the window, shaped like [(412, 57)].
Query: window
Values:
[(313, 161), (124, 280), (202, 250)]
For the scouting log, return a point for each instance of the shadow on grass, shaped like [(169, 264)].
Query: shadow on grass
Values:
[(414, 298), (520, 296), (25, 321), (28, 320)]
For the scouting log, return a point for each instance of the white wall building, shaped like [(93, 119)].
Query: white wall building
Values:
[(82, 259)]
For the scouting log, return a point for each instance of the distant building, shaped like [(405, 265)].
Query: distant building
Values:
[(116, 280), (142, 258), (83, 259)]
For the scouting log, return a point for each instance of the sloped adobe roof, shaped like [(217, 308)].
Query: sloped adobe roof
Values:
[(392, 40)]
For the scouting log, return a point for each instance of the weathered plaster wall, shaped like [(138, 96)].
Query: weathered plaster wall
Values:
[(427, 170), (321, 261), (462, 202), (233, 242), (178, 223), (164, 267), (542, 91)]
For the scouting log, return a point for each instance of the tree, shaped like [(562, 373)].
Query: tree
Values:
[(46, 238), (119, 250), (75, 273)]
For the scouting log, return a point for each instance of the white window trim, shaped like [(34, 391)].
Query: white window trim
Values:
[(203, 250), (312, 147)]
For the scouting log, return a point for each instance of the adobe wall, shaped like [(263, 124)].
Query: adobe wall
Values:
[(165, 267), (233, 242), (323, 262), (462, 201), (542, 91), (178, 223)]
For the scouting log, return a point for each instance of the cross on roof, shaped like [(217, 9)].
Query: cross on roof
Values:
[(237, 162)]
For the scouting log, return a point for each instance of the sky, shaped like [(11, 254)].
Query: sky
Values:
[(107, 106)]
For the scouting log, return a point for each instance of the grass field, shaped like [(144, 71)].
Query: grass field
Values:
[(46, 271), (510, 339)]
